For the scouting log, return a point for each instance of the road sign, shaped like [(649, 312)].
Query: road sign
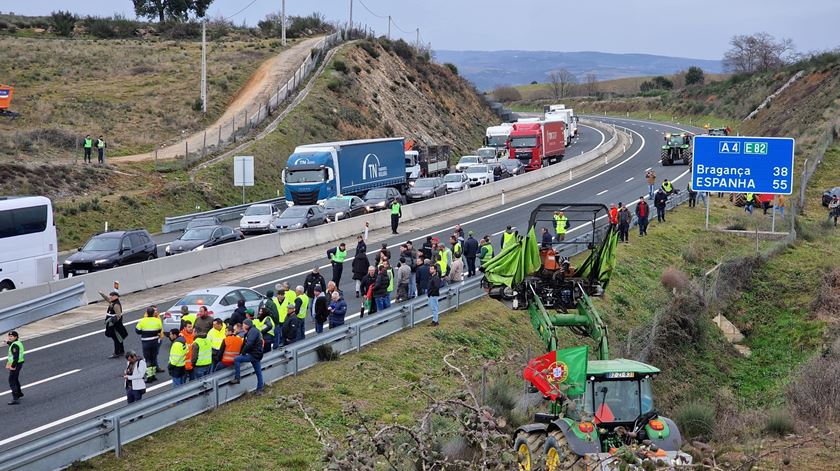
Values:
[(743, 164), (243, 170)]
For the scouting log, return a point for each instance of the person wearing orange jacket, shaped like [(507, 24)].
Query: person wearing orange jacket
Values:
[(188, 333), (613, 216), (230, 349)]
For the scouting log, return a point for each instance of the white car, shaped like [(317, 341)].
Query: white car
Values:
[(456, 182), (468, 161), (489, 154), (221, 301), (260, 218), (479, 174)]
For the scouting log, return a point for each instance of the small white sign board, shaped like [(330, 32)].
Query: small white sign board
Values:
[(243, 170)]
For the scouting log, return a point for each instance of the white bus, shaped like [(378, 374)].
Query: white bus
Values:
[(28, 242)]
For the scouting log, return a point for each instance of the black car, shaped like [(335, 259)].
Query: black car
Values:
[(203, 222), (513, 166), (299, 217), (826, 197), (202, 237), (110, 250), (425, 188), (343, 207), (381, 198)]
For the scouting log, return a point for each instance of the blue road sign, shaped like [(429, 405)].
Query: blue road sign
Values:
[(743, 164)]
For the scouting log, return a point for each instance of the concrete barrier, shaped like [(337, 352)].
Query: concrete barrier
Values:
[(166, 270)]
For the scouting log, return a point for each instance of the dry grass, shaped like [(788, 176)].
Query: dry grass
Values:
[(138, 93)]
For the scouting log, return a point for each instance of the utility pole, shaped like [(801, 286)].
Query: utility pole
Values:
[(418, 38), (389, 27), (350, 23), (204, 66), (283, 21)]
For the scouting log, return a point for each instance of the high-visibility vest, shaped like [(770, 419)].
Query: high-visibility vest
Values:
[(339, 256), (190, 317), (20, 356), (560, 223), (88, 143), (258, 324), (100, 144), (233, 347), (507, 238), (178, 353), (304, 306), (267, 326), (395, 208), (278, 306), (390, 280), (442, 263), (457, 250), (289, 298), (282, 310), (750, 197), (150, 328), (488, 254), (205, 352), (216, 337), (667, 187)]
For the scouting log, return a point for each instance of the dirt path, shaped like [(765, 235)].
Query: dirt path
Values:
[(266, 81)]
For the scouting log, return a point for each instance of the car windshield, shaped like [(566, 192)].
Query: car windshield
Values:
[(378, 193), (305, 176), (453, 177), (198, 222), (197, 300), (102, 244), (477, 169), (201, 233), (497, 141), (425, 183), (511, 164), (258, 211), (518, 142), (337, 204), (617, 401), (295, 212), (468, 160), (487, 153)]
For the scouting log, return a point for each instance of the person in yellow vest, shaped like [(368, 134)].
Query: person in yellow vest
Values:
[(186, 316), (485, 252), (216, 336), (202, 357), (177, 358), (337, 255), (149, 328), (302, 308), (88, 145), (667, 187), (561, 224), (188, 335), (507, 237), (265, 324), (396, 214), (100, 149), (14, 363), (273, 308), (457, 249), (748, 206)]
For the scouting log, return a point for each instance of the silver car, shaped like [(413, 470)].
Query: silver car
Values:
[(260, 218), (221, 301), (456, 182)]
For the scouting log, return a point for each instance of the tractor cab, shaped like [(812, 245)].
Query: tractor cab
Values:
[(677, 140), (677, 147)]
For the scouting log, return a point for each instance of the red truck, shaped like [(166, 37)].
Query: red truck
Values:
[(537, 144)]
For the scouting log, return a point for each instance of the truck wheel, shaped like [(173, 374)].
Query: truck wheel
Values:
[(7, 285), (529, 448), (558, 454)]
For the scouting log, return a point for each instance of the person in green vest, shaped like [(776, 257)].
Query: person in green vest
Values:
[(507, 237), (202, 357), (88, 145), (150, 330), (100, 148), (337, 255), (561, 223), (177, 358), (14, 363), (396, 214), (667, 187), (302, 308), (485, 250)]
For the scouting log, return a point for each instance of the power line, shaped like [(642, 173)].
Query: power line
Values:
[(246, 7), (404, 31), (371, 12)]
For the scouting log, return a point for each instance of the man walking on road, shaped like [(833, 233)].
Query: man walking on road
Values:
[(114, 328), (337, 255), (88, 145), (14, 363), (650, 176), (642, 213), (470, 253), (659, 201), (396, 214)]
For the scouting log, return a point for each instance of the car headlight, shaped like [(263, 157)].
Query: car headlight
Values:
[(168, 249), (290, 203), (367, 207), (100, 261), (381, 204), (68, 262), (411, 183), (200, 247)]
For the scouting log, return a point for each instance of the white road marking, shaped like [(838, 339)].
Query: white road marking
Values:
[(36, 383), (648, 169), (601, 193), (628, 180)]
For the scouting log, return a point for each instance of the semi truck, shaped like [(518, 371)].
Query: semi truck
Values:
[(316, 172), (497, 136), (538, 144), (425, 161), (568, 116)]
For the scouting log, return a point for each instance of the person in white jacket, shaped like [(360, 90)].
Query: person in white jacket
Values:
[(135, 374)]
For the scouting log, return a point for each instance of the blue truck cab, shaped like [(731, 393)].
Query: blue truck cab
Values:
[(316, 172)]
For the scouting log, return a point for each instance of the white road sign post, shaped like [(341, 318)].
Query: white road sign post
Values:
[(243, 172)]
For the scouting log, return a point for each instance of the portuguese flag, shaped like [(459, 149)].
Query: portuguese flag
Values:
[(562, 372)]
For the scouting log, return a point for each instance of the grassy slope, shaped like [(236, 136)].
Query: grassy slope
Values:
[(622, 86), (139, 93)]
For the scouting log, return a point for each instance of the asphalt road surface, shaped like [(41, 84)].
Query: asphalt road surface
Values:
[(67, 377)]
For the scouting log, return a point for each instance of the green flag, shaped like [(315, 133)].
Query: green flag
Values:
[(575, 360), (558, 373)]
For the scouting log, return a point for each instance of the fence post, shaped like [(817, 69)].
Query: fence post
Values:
[(220, 136), (204, 147), (457, 297), (156, 158), (186, 152), (358, 338), (233, 127)]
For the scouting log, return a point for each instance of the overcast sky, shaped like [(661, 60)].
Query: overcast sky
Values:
[(688, 29)]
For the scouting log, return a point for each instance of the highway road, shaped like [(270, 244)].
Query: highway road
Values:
[(67, 376)]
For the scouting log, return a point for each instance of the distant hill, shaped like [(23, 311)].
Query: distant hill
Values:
[(488, 69)]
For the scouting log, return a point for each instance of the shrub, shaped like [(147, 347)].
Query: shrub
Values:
[(814, 393), (63, 22), (452, 68), (779, 423), (673, 278), (506, 94), (403, 50), (180, 30), (370, 48), (696, 420), (334, 85), (300, 26), (340, 66), (326, 353)]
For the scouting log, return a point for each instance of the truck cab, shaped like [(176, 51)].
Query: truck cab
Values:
[(309, 177), (497, 137)]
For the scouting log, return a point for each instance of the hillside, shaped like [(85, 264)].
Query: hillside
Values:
[(488, 69), (620, 86)]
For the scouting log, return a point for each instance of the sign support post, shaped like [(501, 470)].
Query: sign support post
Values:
[(243, 172)]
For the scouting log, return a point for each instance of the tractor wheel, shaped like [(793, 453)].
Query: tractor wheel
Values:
[(558, 454), (687, 159), (664, 158), (529, 448)]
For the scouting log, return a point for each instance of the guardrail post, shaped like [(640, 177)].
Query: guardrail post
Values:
[(411, 315), (295, 358), (358, 338), (457, 298), (216, 398), (117, 436)]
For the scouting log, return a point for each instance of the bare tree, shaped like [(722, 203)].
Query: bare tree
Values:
[(506, 93), (757, 52), (591, 84), (561, 82)]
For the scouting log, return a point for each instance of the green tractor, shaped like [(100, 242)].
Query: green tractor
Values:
[(612, 414), (677, 147)]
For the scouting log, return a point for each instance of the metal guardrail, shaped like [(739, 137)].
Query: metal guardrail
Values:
[(177, 223), (41, 307)]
